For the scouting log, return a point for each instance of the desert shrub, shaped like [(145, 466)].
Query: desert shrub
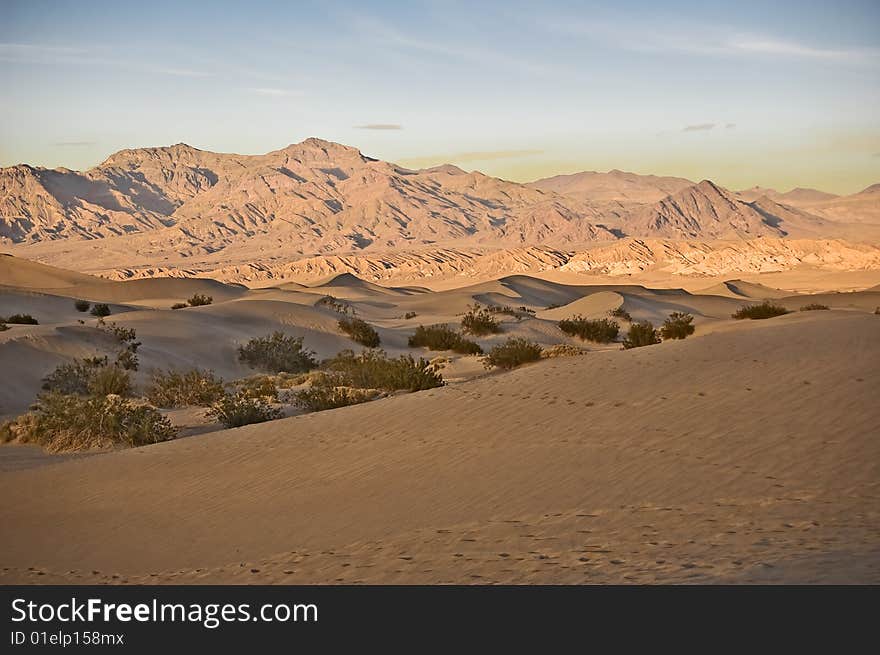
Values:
[(561, 350), (110, 380), (22, 319), (373, 369), (641, 334), (320, 397), (175, 389), (199, 300), (82, 305), (441, 337), (277, 352), (335, 304), (179, 305), (621, 313), (512, 353), (814, 307), (765, 310), (601, 330), (236, 410), (74, 377), (100, 310), (258, 386), (479, 322), (126, 358), (410, 315), (360, 331), (64, 423), (677, 326)]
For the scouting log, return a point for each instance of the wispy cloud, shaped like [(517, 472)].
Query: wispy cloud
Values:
[(379, 126), (700, 127)]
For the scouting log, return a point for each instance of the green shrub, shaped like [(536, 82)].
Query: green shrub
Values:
[(479, 322), (174, 389), (74, 377), (22, 319), (600, 330), (179, 305), (765, 310), (199, 300), (814, 307), (373, 369), (100, 310), (321, 397), (64, 423), (677, 326), (82, 305), (236, 410), (277, 352), (410, 315), (360, 331), (641, 334), (621, 313), (441, 337), (512, 353), (110, 380)]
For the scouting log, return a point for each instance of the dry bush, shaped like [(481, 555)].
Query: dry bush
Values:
[(812, 307), (258, 386), (65, 423), (82, 305), (479, 322), (410, 315), (236, 410), (20, 319), (562, 350), (179, 305), (600, 330), (199, 300), (174, 389), (621, 313), (360, 331), (92, 375), (317, 398), (339, 306), (277, 352), (100, 310), (641, 334), (765, 310), (677, 326), (442, 337), (512, 353)]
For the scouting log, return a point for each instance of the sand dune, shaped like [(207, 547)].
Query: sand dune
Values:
[(726, 457)]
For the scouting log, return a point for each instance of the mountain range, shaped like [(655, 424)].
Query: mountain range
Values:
[(180, 208)]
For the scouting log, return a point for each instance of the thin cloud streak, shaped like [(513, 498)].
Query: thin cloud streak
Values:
[(702, 127)]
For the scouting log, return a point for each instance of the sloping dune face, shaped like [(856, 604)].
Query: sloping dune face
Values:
[(744, 455)]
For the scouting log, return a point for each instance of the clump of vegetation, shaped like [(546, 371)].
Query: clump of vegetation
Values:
[(409, 315), (179, 305), (65, 423), (92, 375), (127, 337), (101, 310), (277, 352), (641, 334), (317, 398), (360, 331), (258, 386), (442, 337), (199, 300), (677, 326), (765, 310), (112, 380), (235, 410), (812, 307), (601, 330), (512, 353), (621, 313), (20, 319), (82, 305), (335, 304), (3, 326), (479, 322), (373, 369), (561, 350), (174, 389)]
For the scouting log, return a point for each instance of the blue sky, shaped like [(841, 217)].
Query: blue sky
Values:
[(778, 94)]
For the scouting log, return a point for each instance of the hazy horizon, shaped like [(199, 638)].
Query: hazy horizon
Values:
[(741, 95)]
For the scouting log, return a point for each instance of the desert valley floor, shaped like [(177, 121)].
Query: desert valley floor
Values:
[(748, 452)]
